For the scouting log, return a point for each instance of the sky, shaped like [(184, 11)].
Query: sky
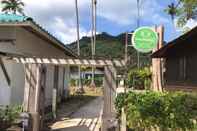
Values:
[(113, 17)]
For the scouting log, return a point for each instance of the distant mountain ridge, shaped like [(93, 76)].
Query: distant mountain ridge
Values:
[(107, 46)]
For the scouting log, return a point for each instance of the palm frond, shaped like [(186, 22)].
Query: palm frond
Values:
[(5, 1), (5, 9), (19, 2), (13, 6), (21, 10), (171, 10)]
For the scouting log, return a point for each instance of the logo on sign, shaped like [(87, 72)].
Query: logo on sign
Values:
[(145, 39)]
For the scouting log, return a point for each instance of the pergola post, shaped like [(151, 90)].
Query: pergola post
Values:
[(55, 91), (109, 113), (157, 72), (34, 93), (35, 78)]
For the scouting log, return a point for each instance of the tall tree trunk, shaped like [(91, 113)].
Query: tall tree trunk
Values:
[(80, 87), (93, 40)]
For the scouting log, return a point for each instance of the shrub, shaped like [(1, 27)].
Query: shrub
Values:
[(9, 115), (139, 78), (86, 82), (168, 111), (73, 82)]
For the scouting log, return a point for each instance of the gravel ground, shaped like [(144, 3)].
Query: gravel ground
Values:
[(87, 118)]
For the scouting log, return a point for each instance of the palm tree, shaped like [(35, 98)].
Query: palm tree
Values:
[(184, 10), (171, 10), (13, 6), (93, 39), (80, 86)]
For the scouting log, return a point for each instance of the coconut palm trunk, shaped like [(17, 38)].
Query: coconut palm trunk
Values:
[(80, 86), (93, 39)]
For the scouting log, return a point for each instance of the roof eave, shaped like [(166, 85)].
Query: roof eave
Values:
[(52, 38), (161, 53), (42, 32)]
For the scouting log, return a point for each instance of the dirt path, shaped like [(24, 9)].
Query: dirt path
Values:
[(87, 118)]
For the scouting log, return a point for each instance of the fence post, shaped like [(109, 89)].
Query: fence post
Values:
[(123, 126), (109, 113)]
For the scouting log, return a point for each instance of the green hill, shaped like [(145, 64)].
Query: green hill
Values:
[(107, 47)]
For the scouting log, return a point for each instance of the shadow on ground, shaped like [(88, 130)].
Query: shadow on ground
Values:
[(74, 128), (86, 118)]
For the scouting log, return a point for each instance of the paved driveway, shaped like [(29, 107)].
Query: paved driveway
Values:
[(87, 118)]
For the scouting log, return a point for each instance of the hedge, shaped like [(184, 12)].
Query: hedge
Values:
[(139, 78), (167, 111)]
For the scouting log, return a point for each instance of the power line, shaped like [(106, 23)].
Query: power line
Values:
[(138, 13), (138, 25)]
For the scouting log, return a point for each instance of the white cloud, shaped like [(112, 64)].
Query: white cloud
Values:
[(125, 12), (191, 23), (67, 32), (58, 16)]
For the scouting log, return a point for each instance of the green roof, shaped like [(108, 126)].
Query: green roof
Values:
[(13, 18)]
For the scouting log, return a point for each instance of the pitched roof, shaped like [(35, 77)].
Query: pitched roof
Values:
[(13, 18), (11, 54), (175, 44), (24, 21)]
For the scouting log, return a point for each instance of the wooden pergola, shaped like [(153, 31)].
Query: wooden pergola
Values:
[(35, 82), (35, 78)]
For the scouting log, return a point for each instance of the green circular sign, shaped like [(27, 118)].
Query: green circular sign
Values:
[(145, 39)]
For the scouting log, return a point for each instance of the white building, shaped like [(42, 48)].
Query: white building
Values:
[(20, 35)]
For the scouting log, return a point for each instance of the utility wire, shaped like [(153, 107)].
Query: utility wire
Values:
[(138, 25)]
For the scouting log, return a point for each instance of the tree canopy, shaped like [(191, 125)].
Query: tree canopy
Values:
[(183, 10), (13, 6)]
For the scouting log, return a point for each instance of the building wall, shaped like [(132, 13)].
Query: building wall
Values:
[(60, 83), (49, 85), (17, 83), (172, 74), (27, 43), (5, 90), (31, 44), (66, 81), (182, 70)]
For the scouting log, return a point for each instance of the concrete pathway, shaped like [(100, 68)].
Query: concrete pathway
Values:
[(87, 118)]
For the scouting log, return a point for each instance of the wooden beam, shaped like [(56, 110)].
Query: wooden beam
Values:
[(12, 41), (109, 113), (74, 62), (27, 87), (55, 91), (36, 116), (35, 77), (5, 71)]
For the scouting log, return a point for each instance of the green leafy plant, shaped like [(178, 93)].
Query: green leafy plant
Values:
[(139, 78), (9, 115), (73, 82), (167, 111), (120, 102), (86, 82)]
